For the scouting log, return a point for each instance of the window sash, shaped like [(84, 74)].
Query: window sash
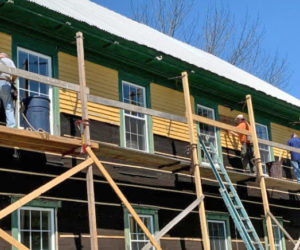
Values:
[(209, 133), (41, 231), (222, 243), (135, 140), (30, 91), (262, 133), (140, 233)]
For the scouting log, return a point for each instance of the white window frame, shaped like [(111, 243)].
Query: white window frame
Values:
[(225, 230), (50, 87), (262, 149), (280, 243), (136, 117), (52, 219), (215, 131), (151, 229)]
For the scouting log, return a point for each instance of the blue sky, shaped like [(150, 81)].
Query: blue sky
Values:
[(280, 18)]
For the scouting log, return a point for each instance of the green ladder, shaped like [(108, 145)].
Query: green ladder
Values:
[(232, 201)]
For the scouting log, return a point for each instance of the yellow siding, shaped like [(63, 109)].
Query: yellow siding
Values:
[(5, 43), (228, 116), (281, 134), (171, 101), (102, 81)]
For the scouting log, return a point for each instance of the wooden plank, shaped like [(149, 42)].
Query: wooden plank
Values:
[(175, 221), (282, 184), (221, 125), (260, 171), (278, 145), (194, 159), (38, 141), (5, 236), (87, 141), (40, 78), (282, 228), (123, 198), (297, 246), (44, 188), (134, 108)]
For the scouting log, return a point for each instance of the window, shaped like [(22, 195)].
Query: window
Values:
[(262, 133), (36, 63), (135, 133), (135, 237), (217, 235), (278, 236), (36, 228), (208, 133)]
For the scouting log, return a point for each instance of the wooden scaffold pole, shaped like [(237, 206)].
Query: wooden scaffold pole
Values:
[(195, 161), (261, 176), (86, 141)]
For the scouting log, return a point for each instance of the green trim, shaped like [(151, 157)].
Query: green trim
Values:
[(225, 218), (283, 245), (14, 227), (140, 211), (204, 101), (39, 203), (123, 76), (35, 203), (44, 48)]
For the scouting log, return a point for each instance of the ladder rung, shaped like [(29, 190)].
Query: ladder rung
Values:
[(238, 207)]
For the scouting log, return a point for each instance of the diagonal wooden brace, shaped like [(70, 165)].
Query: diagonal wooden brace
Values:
[(297, 246), (281, 228), (122, 198), (173, 222), (37, 192), (12, 241)]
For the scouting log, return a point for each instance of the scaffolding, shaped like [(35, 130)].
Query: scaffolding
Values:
[(43, 142)]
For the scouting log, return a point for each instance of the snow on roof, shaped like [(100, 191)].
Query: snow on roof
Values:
[(116, 24)]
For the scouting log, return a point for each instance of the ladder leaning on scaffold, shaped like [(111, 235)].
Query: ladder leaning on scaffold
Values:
[(232, 200)]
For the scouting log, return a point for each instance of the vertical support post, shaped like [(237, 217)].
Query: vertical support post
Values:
[(195, 162), (84, 111), (262, 182)]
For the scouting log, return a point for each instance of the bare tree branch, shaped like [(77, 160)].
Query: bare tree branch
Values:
[(239, 43)]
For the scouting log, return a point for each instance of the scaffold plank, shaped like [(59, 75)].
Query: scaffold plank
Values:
[(39, 141)]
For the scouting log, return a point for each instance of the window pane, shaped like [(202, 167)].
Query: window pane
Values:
[(35, 220), (24, 219), (25, 238), (46, 240), (45, 220), (36, 240), (125, 93), (33, 63)]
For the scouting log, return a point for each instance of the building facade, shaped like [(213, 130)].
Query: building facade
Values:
[(40, 37)]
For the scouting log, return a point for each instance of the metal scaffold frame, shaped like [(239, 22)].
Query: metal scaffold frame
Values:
[(90, 158)]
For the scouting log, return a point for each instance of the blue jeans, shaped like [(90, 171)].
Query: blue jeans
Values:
[(296, 165), (8, 104)]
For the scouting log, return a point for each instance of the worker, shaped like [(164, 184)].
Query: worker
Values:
[(5, 90), (295, 157), (247, 146)]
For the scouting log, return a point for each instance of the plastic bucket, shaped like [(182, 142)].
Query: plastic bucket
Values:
[(37, 112)]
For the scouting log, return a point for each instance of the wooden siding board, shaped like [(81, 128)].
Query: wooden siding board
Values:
[(5, 43), (171, 101), (101, 80)]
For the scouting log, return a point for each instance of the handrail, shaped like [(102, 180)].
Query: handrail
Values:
[(117, 104), (40, 78)]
